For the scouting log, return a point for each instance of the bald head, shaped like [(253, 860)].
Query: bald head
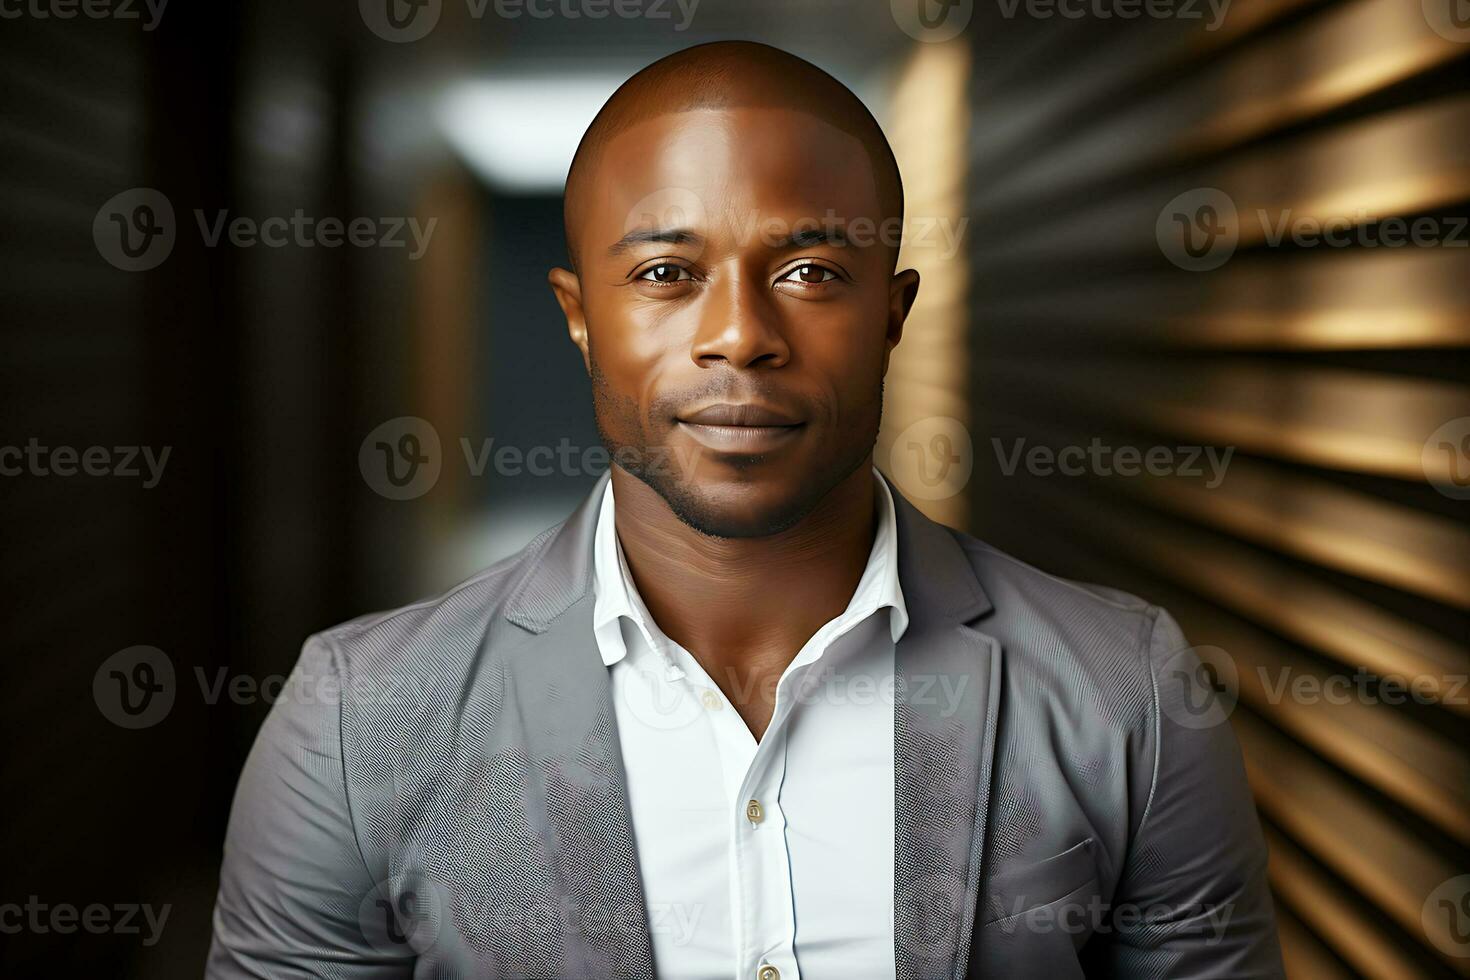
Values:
[(727, 75)]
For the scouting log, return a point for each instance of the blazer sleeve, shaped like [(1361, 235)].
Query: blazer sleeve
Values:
[(1193, 901), (294, 883)]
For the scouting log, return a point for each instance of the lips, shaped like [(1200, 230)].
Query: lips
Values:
[(746, 414), (740, 428)]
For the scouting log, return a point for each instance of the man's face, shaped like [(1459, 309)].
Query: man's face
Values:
[(737, 308)]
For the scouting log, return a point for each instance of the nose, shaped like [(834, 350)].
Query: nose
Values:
[(738, 327)]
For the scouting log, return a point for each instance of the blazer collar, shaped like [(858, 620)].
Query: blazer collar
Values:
[(938, 581)]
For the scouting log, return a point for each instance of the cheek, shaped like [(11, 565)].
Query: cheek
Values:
[(630, 362), (847, 352), (636, 338)]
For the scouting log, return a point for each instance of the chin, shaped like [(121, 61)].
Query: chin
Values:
[(741, 508)]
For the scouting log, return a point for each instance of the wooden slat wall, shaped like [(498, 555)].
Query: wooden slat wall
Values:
[(927, 122), (1325, 551)]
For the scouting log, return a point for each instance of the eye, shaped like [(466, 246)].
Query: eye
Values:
[(665, 274), (809, 274)]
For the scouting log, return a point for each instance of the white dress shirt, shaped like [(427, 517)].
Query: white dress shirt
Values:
[(769, 860)]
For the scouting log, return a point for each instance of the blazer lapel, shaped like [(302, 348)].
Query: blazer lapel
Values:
[(947, 681), (562, 694)]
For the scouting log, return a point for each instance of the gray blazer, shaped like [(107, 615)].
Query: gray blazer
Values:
[(439, 790)]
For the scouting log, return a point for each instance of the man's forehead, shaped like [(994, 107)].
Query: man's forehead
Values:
[(708, 166)]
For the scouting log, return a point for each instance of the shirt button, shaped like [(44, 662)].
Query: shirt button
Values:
[(767, 972), (711, 699), (755, 813)]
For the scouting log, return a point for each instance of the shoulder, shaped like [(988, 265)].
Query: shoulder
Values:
[(434, 642), (1027, 591), (1091, 641)]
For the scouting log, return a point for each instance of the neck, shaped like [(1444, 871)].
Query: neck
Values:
[(743, 607)]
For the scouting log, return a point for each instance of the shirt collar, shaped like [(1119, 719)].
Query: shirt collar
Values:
[(617, 598)]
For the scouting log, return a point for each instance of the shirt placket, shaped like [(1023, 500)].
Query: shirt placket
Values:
[(761, 898)]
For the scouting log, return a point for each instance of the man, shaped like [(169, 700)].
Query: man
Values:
[(746, 713)]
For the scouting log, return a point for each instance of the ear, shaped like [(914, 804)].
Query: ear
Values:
[(568, 290), (903, 288)]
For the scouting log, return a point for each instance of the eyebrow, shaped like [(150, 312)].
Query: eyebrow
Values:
[(807, 237), (644, 236)]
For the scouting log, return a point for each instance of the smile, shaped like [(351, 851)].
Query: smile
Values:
[(746, 428), (740, 438)]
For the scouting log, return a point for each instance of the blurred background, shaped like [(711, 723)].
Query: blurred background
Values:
[(279, 351)]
